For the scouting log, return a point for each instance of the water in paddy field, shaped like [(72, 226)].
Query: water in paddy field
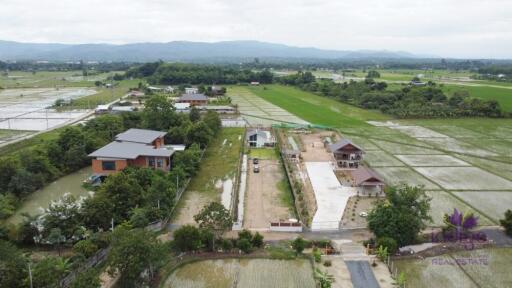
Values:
[(27, 109), (40, 199), (245, 273)]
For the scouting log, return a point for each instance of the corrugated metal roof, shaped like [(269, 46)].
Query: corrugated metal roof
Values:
[(139, 135), (363, 174), (342, 143), (128, 150), (193, 97)]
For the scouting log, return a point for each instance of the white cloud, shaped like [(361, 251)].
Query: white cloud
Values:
[(449, 28)]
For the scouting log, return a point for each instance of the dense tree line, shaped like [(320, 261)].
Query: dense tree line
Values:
[(411, 101), (61, 66), (179, 73)]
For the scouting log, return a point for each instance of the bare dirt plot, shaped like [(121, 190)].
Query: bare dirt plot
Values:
[(395, 148), (464, 178), (381, 159), (442, 202), (189, 206), (263, 197), (404, 175), (315, 150), (431, 160), (454, 145), (494, 204), (355, 206)]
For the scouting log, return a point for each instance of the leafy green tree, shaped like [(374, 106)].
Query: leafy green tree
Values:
[(56, 238), (48, 271), (187, 161), (194, 114), (8, 169), (158, 113), (373, 74), (212, 120), (25, 182), (139, 217), (402, 215), (133, 252), (200, 133), (63, 214), (7, 205), (13, 266), (187, 238), (214, 217), (85, 247), (507, 222), (87, 279), (298, 245)]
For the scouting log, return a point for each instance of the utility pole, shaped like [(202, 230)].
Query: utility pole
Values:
[(112, 225), (30, 275)]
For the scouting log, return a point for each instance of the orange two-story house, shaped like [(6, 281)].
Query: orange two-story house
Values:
[(134, 147)]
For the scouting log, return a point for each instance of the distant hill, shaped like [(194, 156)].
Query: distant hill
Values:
[(179, 51)]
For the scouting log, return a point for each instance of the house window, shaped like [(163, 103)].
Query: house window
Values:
[(151, 161), (160, 163), (108, 165)]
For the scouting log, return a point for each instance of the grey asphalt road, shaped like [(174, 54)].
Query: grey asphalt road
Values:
[(361, 274)]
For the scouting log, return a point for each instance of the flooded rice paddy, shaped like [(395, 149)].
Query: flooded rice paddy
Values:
[(29, 109), (246, 273)]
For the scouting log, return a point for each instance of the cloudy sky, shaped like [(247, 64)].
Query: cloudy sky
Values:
[(448, 28)]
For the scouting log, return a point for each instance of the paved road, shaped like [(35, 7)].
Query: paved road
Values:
[(361, 274)]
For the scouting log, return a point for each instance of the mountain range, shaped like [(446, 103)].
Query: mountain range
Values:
[(181, 51)]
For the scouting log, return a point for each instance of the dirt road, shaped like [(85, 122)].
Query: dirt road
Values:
[(263, 198)]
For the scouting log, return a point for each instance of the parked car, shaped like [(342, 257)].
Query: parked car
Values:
[(255, 161), (256, 169)]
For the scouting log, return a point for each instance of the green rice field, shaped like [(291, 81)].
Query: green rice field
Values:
[(316, 109), (474, 268)]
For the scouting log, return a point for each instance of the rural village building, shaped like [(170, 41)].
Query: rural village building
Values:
[(134, 147), (347, 154), (219, 109), (193, 99), (367, 180), (191, 90), (258, 138)]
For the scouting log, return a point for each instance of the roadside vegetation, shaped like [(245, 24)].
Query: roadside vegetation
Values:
[(134, 197)]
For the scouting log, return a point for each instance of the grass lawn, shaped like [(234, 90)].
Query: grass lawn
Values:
[(502, 95), (104, 95), (316, 109), (30, 143), (264, 153), (220, 161)]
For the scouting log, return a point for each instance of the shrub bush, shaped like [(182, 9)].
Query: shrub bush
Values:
[(388, 242), (327, 263), (244, 245)]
